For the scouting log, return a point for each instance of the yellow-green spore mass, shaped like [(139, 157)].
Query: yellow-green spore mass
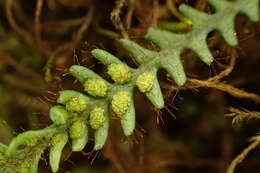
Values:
[(2, 159), (97, 118), (57, 139), (77, 129), (76, 104), (31, 142), (120, 73), (95, 87), (120, 103), (145, 82)]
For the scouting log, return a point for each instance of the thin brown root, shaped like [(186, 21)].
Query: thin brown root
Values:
[(106, 32), (238, 93), (38, 29), (26, 36), (48, 74), (129, 14), (171, 6), (110, 153), (85, 25), (155, 13), (116, 20), (225, 72), (21, 68), (201, 5), (243, 154)]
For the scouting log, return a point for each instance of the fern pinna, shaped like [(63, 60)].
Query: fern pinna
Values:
[(78, 112)]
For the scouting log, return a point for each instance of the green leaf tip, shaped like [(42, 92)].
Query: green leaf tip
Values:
[(140, 53), (66, 95), (102, 132), (197, 17), (58, 142), (59, 115), (220, 5), (29, 137), (161, 37), (250, 9), (155, 95), (79, 135), (128, 119), (78, 144), (105, 57), (175, 69)]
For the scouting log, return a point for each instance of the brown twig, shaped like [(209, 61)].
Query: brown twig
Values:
[(112, 155), (37, 29), (85, 25), (235, 92), (171, 6), (233, 56), (48, 74), (106, 32), (19, 67), (29, 101), (26, 36), (196, 162), (115, 17), (22, 83), (69, 46), (243, 154), (225, 72), (238, 93), (129, 14), (155, 13), (201, 5)]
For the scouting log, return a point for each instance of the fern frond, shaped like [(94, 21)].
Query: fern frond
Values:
[(72, 117)]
